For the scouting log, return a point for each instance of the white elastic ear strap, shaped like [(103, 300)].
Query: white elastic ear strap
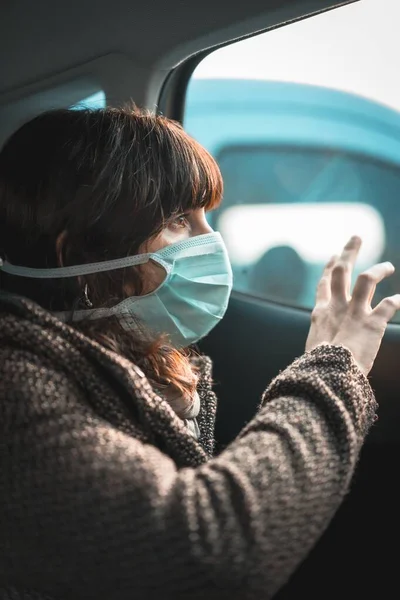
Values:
[(61, 272), (196, 243)]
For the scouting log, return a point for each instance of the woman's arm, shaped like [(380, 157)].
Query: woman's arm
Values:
[(99, 514)]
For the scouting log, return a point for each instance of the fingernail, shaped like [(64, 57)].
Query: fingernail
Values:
[(353, 241), (332, 260)]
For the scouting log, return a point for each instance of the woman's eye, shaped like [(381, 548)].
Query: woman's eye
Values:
[(180, 221)]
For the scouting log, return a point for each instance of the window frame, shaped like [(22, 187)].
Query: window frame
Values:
[(172, 96)]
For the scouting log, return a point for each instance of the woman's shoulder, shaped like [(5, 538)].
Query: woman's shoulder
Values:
[(51, 368), (58, 374), (39, 372)]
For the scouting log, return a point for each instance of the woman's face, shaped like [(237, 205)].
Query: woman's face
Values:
[(181, 228)]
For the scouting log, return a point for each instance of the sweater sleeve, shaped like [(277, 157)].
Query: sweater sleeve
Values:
[(106, 516)]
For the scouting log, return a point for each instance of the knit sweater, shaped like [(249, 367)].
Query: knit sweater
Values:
[(105, 493)]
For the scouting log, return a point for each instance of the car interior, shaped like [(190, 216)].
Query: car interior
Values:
[(62, 54)]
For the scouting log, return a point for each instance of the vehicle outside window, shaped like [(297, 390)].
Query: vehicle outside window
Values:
[(304, 122)]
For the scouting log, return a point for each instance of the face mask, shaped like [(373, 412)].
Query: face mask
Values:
[(190, 301)]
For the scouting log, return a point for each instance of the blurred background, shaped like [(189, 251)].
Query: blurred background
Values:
[(304, 122)]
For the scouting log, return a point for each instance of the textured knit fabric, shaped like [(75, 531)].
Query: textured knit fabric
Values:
[(105, 494), (190, 416)]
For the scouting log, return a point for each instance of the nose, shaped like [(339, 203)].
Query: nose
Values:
[(206, 228), (202, 225)]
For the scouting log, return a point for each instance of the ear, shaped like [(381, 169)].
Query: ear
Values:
[(60, 245)]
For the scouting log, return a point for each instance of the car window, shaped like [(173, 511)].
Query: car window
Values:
[(96, 100), (304, 122)]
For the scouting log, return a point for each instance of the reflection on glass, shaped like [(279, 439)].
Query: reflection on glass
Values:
[(304, 168), (314, 231), (96, 100), (279, 274), (286, 211)]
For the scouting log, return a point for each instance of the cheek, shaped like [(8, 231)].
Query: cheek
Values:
[(171, 236), (152, 276), (165, 238)]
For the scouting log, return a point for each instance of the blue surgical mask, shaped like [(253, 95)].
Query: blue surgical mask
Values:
[(187, 305)]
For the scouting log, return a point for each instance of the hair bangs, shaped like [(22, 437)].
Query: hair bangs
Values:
[(207, 184), (198, 178)]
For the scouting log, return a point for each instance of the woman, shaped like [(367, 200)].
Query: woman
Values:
[(108, 486)]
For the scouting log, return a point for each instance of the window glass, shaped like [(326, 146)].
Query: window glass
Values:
[(96, 100), (304, 122)]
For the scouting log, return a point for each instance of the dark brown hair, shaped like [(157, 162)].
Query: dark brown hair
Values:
[(111, 179)]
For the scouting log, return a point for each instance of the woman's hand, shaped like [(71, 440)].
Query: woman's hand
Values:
[(341, 319)]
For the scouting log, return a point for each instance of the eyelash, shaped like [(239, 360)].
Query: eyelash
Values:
[(175, 221)]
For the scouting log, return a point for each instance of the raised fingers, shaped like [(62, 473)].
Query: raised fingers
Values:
[(343, 269), (324, 284), (366, 283), (387, 308)]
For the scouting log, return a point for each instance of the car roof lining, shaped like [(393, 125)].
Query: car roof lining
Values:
[(50, 51), (45, 38)]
